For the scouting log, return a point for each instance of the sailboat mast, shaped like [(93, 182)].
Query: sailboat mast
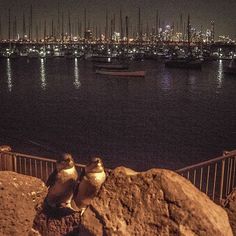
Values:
[(111, 29), (24, 28), (69, 25), (45, 30), (188, 29), (181, 25), (85, 21), (9, 24), (31, 23), (78, 27), (106, 26), (58, 20), (127, 29), (0, 28), (37, 32), (52, 30), (139, 25), (16, 28), (157, 21), (121, 26), (62, 27)]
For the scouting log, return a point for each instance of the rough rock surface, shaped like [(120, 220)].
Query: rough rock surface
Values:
[(231, 210), (156, 202), (19, 195), (57, 222)]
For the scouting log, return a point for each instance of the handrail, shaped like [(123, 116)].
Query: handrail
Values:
[(30, 156), (36, 166), (215, 177), (229, 154)]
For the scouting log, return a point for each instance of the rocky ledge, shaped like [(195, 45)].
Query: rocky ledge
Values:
[(19, 197), (156, 202)]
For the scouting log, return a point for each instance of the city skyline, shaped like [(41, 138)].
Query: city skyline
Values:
[(222, 13)]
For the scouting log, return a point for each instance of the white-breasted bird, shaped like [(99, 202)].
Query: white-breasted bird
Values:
[(90, 183), (61, 182)]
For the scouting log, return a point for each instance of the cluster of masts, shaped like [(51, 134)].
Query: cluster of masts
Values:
[(116, 29)]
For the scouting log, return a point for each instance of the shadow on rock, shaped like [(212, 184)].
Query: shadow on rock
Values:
[(56, 221)]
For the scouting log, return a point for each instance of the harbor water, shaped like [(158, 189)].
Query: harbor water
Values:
[(169, 119)]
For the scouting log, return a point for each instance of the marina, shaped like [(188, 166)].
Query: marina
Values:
[(54, 101)]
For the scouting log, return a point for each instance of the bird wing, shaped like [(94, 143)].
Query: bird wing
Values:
[(52, 178), (81, 174), (79, 179)]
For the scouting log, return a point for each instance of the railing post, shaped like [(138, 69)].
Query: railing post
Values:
[(6, 158), (200, 185), (1, 162), (214, 182), (15, 163), (222, 180), (234, 163), (230, 175), (9, 162), (207, 183)]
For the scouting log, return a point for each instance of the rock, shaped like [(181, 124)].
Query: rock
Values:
[(156, 202), (57, 221), (230, 206), (19, 195)]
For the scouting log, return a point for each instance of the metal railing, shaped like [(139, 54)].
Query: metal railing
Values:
[(216, 177), (29, 165)]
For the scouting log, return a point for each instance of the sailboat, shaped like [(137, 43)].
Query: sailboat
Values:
[(187, 62)]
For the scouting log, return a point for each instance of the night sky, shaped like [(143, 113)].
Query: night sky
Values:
[(223, 12)]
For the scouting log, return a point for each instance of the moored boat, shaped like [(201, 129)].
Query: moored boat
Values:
[(122, 73), (185, 63), (112, 66), (33, 53)]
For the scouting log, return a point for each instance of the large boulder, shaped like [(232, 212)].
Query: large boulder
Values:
[(156, 202), (230, 206), (19, 196)]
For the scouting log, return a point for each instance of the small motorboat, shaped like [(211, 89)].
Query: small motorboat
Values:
[(112, 66), (121, 73)]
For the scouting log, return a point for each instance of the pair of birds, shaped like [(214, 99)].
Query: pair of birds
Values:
[(66, 189)]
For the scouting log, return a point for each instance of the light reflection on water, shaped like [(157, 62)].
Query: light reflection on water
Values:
[(170, 111), (220, 74), (192, 82), (77, 82), (9, 75), (166, 82), (43, 74)]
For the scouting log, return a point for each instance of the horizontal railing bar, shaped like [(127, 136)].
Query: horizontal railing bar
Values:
[(37, 158), (30, 156), (211, 161)]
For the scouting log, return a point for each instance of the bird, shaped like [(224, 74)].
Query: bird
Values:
[(61, 182), (89, 184)]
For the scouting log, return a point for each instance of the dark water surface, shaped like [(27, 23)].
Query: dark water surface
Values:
[(170, 119)]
